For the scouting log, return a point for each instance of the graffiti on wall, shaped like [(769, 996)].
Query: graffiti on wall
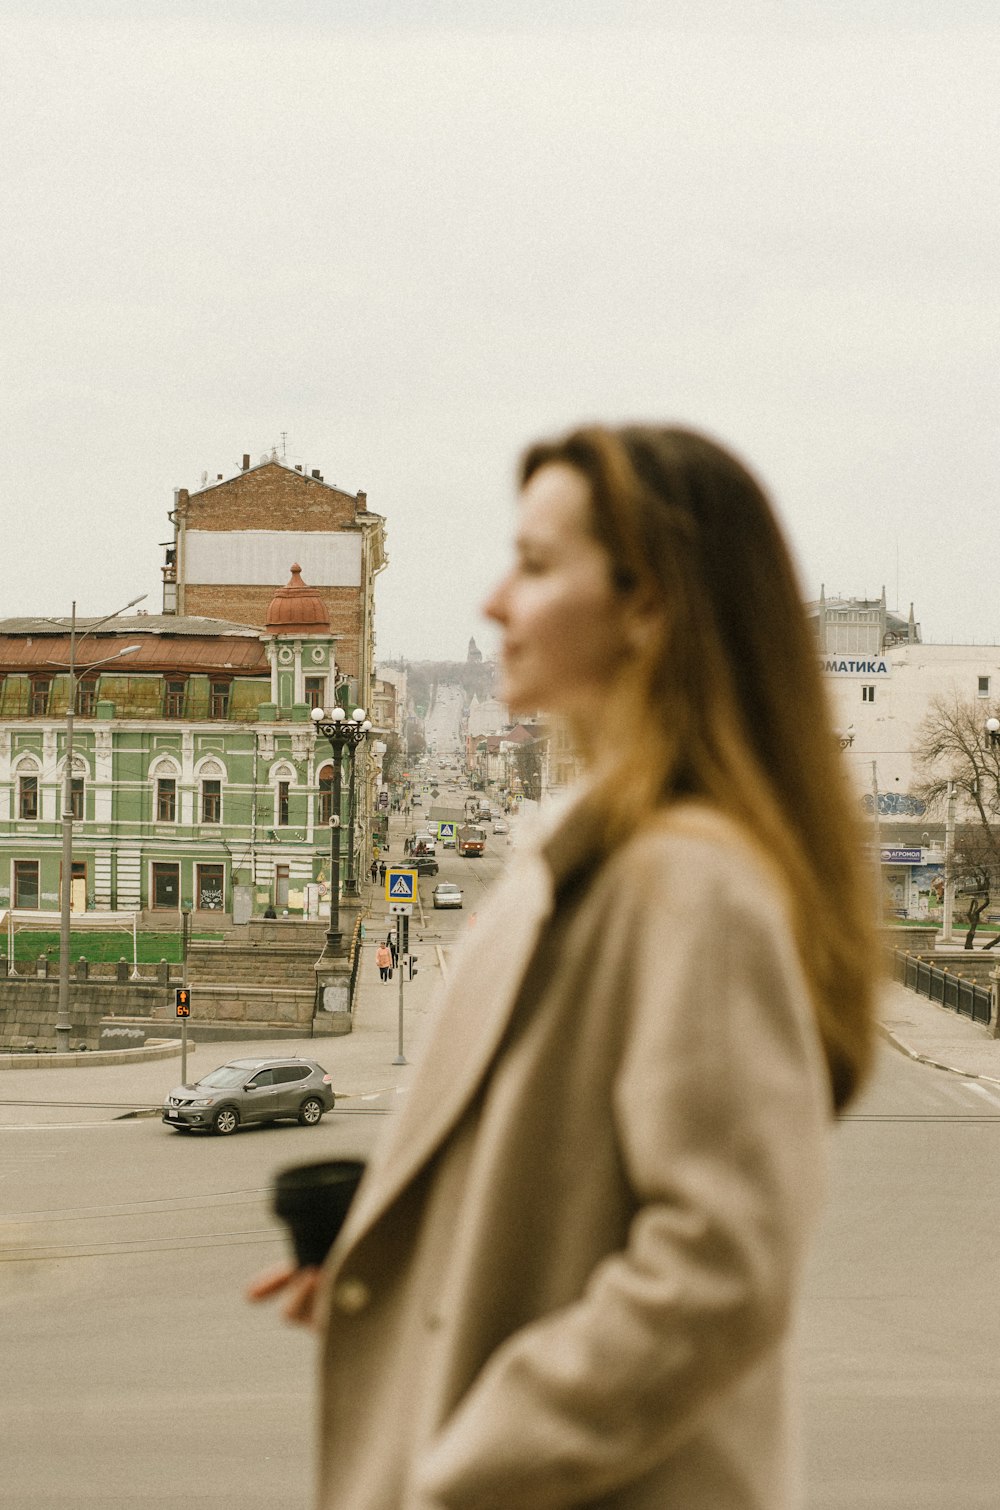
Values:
[(898, 804)]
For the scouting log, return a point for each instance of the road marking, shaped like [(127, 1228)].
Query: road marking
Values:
[(67, 1126), (984, 1091)]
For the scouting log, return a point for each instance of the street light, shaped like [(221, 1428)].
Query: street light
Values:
[(992, 727), (343, 733), (63, 1024)]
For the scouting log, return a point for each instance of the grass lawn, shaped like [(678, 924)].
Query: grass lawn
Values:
[(98, 947)]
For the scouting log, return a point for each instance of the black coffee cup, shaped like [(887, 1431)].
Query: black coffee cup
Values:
[(313, 1199)]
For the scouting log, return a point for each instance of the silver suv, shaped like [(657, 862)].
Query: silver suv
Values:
[(251, 1090)]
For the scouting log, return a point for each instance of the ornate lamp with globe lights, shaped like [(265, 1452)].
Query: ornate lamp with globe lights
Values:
[(342, 733)]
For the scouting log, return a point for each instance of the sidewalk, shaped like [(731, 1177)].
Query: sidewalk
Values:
[(360, 1064), (934, 1035)]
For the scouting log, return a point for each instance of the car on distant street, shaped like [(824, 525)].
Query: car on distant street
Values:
[(447, 894), (251, 1090), (500, 826), (424, 865)]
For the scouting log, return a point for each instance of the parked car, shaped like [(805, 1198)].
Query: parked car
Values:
[(447, 894), (251, 1090), (424, 865)]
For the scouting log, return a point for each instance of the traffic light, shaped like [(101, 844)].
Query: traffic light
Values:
[(182, 1001), (411, 966)]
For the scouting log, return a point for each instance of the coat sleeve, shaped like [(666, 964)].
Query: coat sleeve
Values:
[(720, 1106)]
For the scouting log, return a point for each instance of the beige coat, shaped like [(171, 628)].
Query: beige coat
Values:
[(569, 1279)]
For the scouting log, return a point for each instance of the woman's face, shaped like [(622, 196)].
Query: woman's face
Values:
[(564, 626)]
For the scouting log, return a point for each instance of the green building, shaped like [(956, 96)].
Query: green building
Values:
[(198, 780)]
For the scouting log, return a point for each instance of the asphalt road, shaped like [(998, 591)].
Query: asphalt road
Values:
[(134, 1373), (900, 1334)]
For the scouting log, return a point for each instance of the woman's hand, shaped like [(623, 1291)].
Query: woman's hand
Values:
[(299, 1285)]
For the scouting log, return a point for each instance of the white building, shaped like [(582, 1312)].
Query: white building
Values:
[(396, 677), (882, 681)]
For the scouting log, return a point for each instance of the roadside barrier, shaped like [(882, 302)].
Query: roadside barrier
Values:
[(945, 987)]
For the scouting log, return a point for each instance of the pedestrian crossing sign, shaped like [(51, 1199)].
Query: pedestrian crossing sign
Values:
[(446, 830), (400, 885)]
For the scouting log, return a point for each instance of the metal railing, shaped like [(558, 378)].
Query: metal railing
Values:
[(943, 986)]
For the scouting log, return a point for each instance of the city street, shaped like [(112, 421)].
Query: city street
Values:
[(136, 1374), (901, 1335)]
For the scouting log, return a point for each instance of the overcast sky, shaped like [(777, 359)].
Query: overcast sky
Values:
[(411, 237)]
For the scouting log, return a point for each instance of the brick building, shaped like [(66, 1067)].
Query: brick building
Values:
[(234, 539)]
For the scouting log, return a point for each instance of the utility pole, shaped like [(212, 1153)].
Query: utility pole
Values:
[(63, 1023), (949, 867), (185, 939), (878, 841)]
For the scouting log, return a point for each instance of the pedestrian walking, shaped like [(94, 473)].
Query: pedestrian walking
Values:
[(581, 1245), (381, 871), (373, 872), (383, 958), (393, 948)]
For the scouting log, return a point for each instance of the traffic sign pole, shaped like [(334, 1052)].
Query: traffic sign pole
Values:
[(400, 971)]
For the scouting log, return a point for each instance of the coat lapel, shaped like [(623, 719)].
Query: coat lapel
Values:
[(472, 1019)]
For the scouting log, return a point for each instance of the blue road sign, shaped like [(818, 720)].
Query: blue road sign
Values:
[(446, 830), (400, 885)]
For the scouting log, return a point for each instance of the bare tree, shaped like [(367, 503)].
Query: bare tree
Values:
[(976, 870), (953, 749)]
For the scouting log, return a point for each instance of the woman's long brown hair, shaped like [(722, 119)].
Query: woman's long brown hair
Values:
[(727, 699)]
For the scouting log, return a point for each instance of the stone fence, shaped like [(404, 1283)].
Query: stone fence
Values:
[(119, 972), (29, 1008)]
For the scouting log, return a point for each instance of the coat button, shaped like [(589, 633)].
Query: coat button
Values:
[(351, 1296)]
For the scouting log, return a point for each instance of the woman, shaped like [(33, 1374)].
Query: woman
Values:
[(569, 1279), (383, 958)]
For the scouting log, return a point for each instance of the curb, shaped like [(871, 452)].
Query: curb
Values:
[(157, 1048), (935, 1064)]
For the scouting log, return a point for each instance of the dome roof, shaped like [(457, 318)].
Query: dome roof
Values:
[(297, 608)]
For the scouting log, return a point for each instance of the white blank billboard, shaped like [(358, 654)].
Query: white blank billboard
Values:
[(264, 558)]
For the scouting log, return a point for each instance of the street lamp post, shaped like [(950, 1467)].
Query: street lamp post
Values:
[(343, 733), (63, 1024)]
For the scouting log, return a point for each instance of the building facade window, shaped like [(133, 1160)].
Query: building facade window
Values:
[(282, 804), (166, 799), (984, 686), (326, 794), (86, 698), (315, 687), (211, 882), (26, 884), (174, 698), (281, 886), (166, 887), (41, 688), (27, 796), (867, 693), (76, 798), (218, 701), (211, 801)]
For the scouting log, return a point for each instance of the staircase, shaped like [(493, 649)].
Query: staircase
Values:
[(258, 981)]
